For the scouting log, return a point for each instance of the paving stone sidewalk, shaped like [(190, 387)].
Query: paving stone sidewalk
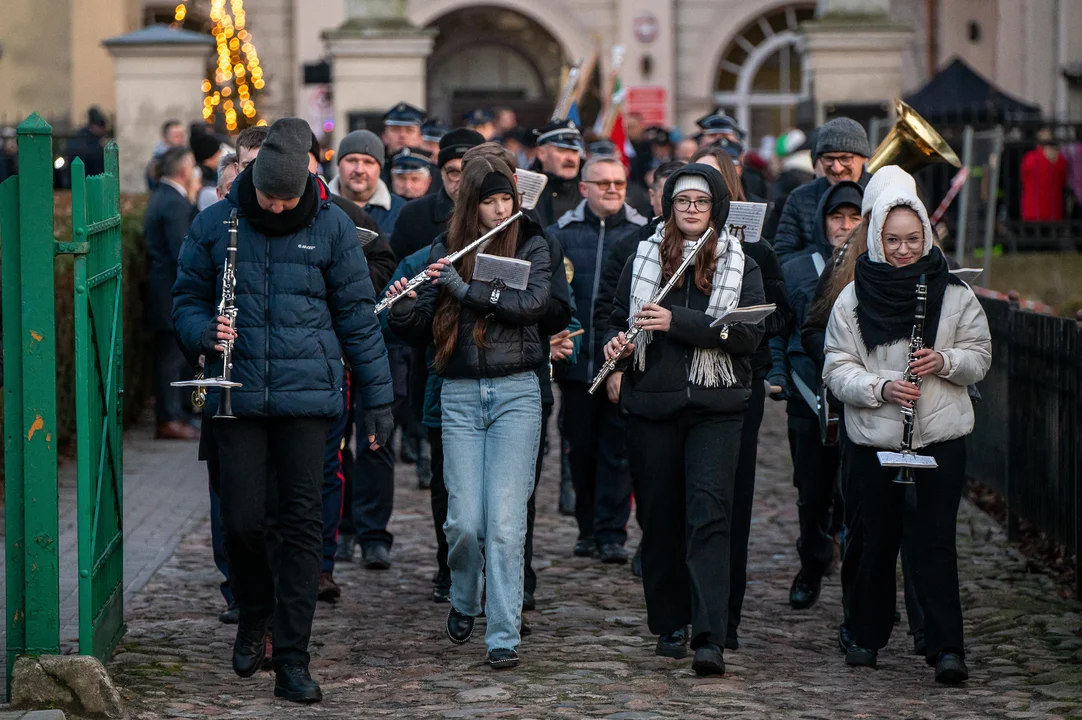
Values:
[(382, 652)]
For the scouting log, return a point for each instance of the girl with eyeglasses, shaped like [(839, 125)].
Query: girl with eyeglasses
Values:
[(685, 389), (867, 352), (487, 349)]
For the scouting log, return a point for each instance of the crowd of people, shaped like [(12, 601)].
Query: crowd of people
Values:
[(468, 372)]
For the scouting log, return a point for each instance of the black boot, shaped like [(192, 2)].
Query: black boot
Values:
[(293, 683), (845, 638), (231, 615), (503, 658), (441, 586), (805, 590), (951, 669), (673, 645), (708, 660), (459, 626), (249, 648), (585, 547), (857, 656)]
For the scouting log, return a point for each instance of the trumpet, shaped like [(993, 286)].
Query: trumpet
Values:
[(634, 329), (422, 277)]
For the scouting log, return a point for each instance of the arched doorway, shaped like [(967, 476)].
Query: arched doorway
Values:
[(487, 57), (761, 76)]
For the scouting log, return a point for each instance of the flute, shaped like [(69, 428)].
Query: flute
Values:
[(422, 277), (634, 329)]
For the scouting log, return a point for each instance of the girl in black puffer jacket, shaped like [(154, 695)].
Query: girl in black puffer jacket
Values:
[(487, 351), (685, 389)]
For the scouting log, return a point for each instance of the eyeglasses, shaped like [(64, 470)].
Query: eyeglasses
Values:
[(683, 204), (453, 173), (845, 160), (606, 184), (896, 243)]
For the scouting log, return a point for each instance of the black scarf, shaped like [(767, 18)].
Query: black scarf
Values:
[(286, 222), (887, 298)]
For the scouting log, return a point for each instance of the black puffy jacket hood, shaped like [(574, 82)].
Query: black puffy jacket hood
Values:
[(719, 191)]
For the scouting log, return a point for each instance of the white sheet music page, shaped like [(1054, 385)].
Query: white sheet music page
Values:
[(745, 221), (513, 272), (530, 184)]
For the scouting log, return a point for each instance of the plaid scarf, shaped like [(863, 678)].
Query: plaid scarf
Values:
[(710, 367)]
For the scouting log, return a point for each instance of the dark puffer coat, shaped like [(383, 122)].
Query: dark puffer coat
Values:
[(513, 343), (796, 229), (302, 299)]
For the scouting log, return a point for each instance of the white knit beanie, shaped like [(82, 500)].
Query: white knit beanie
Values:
[(690, 182), (890, 176)]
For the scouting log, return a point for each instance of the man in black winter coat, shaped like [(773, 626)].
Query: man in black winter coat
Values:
[(169, 214), (592, 424), (841, 150), (559, 156)]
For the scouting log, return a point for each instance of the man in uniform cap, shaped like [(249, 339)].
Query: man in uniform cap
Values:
[(481, 121), (840, 153), (717, 125), (431, 133), (360, 163), (559, 156), (410, 173), (401, 128), (287, 356)]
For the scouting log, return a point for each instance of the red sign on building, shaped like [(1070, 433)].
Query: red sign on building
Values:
[(649, 101)]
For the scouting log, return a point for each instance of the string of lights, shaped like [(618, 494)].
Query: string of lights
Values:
[(228, 91)]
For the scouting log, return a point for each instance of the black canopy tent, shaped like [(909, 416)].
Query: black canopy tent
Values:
[(958, 94)]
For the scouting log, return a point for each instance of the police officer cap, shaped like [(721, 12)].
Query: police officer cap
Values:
[(602, 148), (657, 135), (735, 148), (404, 114), (434, 130), (561, 133), (409, 160), (477, 117)]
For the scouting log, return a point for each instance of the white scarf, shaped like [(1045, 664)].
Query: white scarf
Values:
[(710, 367)]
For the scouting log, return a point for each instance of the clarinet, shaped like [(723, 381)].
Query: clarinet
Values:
[(916, 342), (634, 329), (422, 277), (227, 307)]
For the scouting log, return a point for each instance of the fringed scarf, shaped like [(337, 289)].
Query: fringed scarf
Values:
[(710, 367)]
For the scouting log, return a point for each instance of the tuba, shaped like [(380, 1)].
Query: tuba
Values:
[(911, 144)]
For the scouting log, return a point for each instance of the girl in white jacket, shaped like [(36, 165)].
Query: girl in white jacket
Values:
[(867, 345)]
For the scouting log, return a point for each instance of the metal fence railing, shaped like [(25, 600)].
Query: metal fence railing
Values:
[(1027, 441)]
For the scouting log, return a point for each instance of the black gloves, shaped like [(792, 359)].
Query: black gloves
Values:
[(379, 421)]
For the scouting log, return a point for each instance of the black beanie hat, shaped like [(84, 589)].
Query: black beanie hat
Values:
[(455, 144), (281, 170), (719, 191), (494, 184), (204, 145)]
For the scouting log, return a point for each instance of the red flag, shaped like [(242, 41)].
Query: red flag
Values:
[(618, 137)]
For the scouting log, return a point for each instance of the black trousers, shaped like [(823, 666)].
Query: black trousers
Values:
[(938, 492), (248, 450), (438, 495), (169, 366), (597, 436), (743, 495), (815, 470), (684, 472), (529, 580)]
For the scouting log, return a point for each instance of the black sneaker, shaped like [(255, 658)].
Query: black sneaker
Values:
[(502, 658), (249, 650), (528, 601), (857, 656), (295, 684), (708, 660), (231, 615), (673, 645), (951, 669), (375, 556), (613, 554), (344, 551), (805, 590), (459, 627), (585, 547)]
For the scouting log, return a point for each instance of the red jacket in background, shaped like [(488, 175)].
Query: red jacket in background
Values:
[(1043, 182)]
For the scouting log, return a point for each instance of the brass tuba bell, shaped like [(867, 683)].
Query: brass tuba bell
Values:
[(911, 144), (569, 268)]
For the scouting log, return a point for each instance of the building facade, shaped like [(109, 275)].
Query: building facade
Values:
[(683, 57)]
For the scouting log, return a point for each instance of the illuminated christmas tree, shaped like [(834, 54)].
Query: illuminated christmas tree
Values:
[(235, 78)]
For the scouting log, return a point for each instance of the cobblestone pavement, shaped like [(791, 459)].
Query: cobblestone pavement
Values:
[(382, 652)]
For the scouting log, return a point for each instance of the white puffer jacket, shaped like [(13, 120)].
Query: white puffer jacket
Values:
[(857, 376)]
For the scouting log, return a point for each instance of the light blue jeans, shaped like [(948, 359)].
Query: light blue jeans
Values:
[(491, 430)]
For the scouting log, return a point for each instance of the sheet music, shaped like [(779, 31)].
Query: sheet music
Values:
[(745, 221), (749, 314), (366, 236), (513, 272), (967, 275), (530, 184), (901, 459)]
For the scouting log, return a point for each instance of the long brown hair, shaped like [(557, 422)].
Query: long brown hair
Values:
[(463, 229), (843, 268), (726, 168)]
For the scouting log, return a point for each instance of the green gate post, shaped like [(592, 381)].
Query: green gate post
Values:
[(38, 421)]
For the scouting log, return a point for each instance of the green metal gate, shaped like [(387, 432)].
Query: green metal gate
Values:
[(29, 314)]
